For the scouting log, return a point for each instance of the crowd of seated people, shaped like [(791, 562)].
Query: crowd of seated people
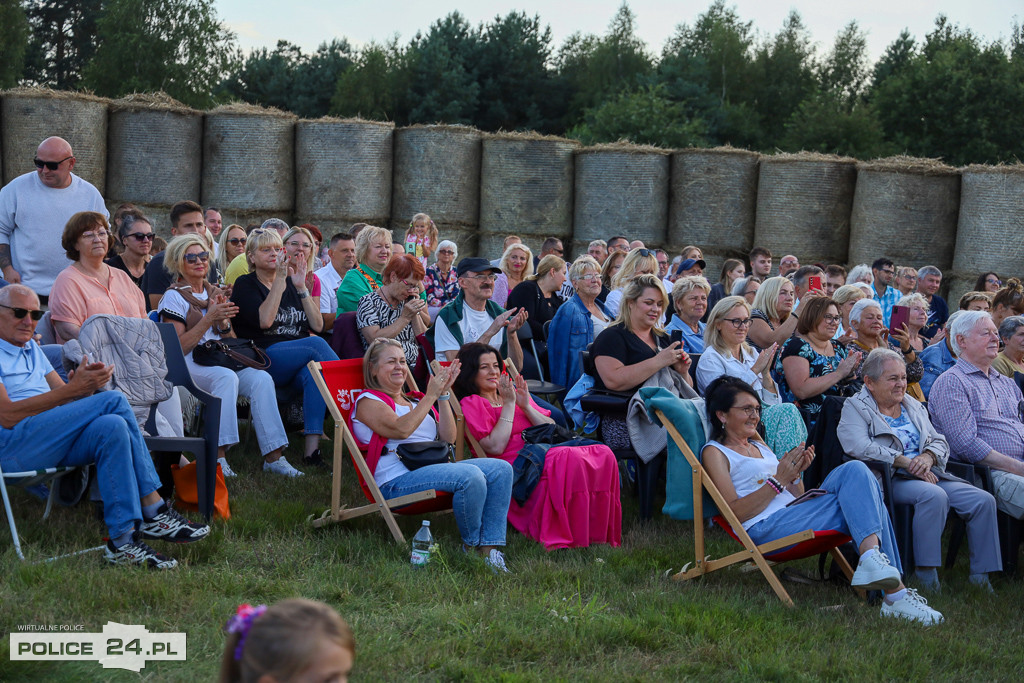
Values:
[(934, 389)]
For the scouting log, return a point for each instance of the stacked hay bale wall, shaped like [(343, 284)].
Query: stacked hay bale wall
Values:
[(30, 115), (621, 189), (437, 172), (990, 227), (905, 209), (712, 204), (249, 163), (343, 173), (526, 188), (155, 154), (803, 206)]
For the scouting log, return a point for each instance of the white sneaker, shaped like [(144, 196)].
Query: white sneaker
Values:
[(225, 468), (496, 561), (281, 466), (875, 573), (914, 608)]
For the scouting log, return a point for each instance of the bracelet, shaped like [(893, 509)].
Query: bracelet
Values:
[(908, 351), (225, 329), (444, 397), (505, 419), (304, 294), (774, 483)]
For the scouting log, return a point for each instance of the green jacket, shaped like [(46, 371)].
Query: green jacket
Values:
[(452, 314)]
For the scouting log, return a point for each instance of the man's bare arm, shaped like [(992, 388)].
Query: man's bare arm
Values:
[(5, 256)]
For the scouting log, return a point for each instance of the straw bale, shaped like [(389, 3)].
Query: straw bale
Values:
[(991, 221), (248, 159), (803, 206), (621, 189), (713, 200), (164, 133), (343, 170), (30, 115), (526, 188)]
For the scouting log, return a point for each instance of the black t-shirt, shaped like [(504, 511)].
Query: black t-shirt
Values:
[(539, 308), (619, 343), (118, 262), (156, 279), (291, 321)]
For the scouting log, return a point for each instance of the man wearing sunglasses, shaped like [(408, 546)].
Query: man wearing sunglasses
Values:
[(46, 423), (34, 207)]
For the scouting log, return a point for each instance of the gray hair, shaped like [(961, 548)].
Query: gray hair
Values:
[(912, 299), (740, 285), (275, 224), (876, 360), (928, 270), (964, 323), (448, 244), (7, 293), (1010, 325), (952, 316), (859, 271), (687, 283), (859, 307), (598, 243), (581, 265), (128, 221)]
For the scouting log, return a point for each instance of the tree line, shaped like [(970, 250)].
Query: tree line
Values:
[(717, 80)]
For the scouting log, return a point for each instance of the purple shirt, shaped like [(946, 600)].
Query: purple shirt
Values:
[(977, 412)]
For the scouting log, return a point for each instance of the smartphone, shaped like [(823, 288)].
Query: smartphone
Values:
[(677, 336), (814, 282), (900, 316)]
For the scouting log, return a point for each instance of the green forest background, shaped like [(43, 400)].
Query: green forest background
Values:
[(718, 79)]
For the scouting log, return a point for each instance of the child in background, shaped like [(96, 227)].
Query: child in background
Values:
[(421, 238), (294, 640)]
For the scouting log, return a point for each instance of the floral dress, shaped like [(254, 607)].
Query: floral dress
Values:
[(440, 287), (820, 365)]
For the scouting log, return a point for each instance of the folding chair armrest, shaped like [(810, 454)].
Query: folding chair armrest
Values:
[(964, 470)]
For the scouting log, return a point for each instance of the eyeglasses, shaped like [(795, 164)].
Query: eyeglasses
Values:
[(589, 277), (738, 322), (51, 165), (411, 285), (751, 411), (203, 256), (888, 272), (833, 318), (20, 313), (303, 245), (142, 236), (237, 241), (993, 281), (482, 277), (445, 251), (98, 234)]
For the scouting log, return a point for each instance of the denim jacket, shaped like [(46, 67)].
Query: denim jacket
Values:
[(570, 332), (936, 360)]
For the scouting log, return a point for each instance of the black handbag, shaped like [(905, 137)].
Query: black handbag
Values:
[(549, 433), (231, 353), (417, 455)]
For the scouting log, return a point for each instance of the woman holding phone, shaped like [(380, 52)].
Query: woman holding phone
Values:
[(866, 320)]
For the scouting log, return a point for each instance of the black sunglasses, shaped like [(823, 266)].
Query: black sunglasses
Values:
[(201, 256), (52, 165), (142, 236), (20, 313), (237, 240)]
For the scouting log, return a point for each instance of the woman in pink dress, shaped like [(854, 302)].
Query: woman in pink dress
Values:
[(576, 502)]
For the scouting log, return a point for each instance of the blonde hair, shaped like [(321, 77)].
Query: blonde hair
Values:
[(634, 262), (222, 246), (581, 265), (712, 337), (372, 356), (366, 236), (848, 293), (546, 265), (767, 297), (970, 297), (175, 252), (503, 264), (259, 238), (432, 236), (632, 291), (687, 283), (312, 241), (283, 641)]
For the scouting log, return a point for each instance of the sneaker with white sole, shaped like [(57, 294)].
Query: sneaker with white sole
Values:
[(170, 525), (874, 572), (496, 561), (225, 468), (135, 552), (914, 608), (281, 466)]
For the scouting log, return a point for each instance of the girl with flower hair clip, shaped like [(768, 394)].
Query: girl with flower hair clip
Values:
[(421, 238), (293, 640)]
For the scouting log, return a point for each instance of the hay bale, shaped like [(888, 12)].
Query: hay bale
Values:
[(621, 189), (803, 206), (343, 171), (991, 222), (905, 209), (526, 188), (249, 159), (437, 171), (166, 133), (30, 115)]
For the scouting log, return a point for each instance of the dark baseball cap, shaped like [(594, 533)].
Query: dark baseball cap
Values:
[(690, 263), (475, 264)]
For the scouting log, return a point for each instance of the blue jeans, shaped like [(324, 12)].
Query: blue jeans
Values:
[(853, 506), (288, 368), (482, 489), (97, 429)]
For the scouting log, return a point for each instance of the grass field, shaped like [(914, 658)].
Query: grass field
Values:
[(599, 613)]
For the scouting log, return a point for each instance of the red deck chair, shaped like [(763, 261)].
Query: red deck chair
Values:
[(796, 546), (340, 383)]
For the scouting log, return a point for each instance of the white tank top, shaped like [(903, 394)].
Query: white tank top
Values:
[(749, 474)]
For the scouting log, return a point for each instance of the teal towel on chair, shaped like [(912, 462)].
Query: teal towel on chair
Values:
[(685, 416)]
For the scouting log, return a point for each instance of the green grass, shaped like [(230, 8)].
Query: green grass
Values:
[(598, 613)]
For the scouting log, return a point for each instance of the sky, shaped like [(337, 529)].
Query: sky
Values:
[(307, 23)]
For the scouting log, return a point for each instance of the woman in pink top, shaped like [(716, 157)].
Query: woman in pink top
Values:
[(576, 502), (89, 286)]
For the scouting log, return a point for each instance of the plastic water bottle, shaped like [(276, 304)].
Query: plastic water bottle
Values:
[(421, 543)]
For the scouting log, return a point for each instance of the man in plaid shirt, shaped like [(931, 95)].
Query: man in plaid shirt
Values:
[(979, 410)]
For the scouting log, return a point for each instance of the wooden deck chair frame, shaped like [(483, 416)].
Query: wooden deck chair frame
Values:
[(462, 434), (342, 435), (751, 552)]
